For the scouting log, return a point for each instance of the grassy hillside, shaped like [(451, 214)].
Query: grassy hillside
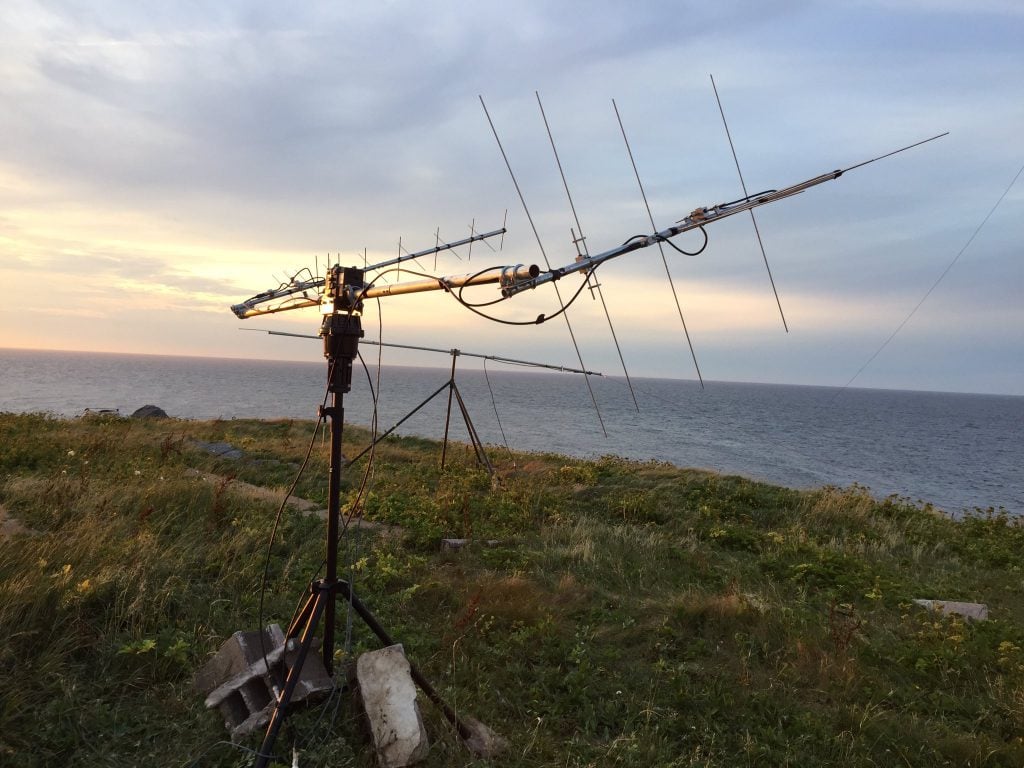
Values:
[(632, 614)]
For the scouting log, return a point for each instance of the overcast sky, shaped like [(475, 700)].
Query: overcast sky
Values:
[(162, 161)]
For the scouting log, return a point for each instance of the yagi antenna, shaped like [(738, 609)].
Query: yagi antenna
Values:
[(581, 241), (340, 296), (753, 219), (661, 250), (699, 218), (294, 293), (547, 263), (463, 353)]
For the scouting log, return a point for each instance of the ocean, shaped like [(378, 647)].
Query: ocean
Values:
[(959, 452)]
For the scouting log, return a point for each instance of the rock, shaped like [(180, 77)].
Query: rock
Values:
[(388, 696), (150, 412), (975, 611), (483, 742)]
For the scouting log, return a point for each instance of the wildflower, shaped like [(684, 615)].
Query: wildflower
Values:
[(137, 473), (71, 453)]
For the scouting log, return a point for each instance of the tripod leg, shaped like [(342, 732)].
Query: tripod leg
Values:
[(302, 619), (474, 438), (315, 606), (404, 419), (424, 685)]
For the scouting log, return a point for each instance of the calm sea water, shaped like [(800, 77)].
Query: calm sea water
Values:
[(957, 451)]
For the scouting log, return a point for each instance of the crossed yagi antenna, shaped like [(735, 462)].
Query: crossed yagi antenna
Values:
[(306, 289)]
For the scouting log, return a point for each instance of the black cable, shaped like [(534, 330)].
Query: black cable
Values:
[(273, 535), (698, 252), (541, 318), (747, 199)]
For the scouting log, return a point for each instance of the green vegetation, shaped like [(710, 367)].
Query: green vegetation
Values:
[(632, 614)]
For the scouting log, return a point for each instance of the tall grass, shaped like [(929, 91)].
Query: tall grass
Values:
[(630, 613)]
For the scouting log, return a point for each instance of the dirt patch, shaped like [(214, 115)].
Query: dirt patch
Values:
[(305, 506), (11, 526), (254, 491)]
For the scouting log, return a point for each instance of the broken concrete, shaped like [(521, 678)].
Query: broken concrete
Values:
[(388, 697), (973, 611), (243, 684)]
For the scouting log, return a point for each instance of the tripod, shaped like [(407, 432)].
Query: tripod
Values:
[(341, 331), (453, 389)]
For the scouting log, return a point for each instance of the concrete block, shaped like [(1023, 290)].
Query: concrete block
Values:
[(389, 700), (454, 545), (974, 611), (242, 685)]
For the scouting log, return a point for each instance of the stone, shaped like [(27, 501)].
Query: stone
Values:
[(224, 450), (243, 685), (974, 611), (150, 412), (388, 696), (482, 741)]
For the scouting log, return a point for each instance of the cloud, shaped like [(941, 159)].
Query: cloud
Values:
[(175, 158)]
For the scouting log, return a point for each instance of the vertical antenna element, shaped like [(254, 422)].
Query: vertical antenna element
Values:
[(547, 263), (661, 248), (582, 241), (753, 218)]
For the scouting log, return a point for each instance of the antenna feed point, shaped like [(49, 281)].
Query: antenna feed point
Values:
[(517, 278)]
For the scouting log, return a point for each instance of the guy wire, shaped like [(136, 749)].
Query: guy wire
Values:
[(753, 219), (494, 405), (547, 263), (934, 285), (586, 252), (661, 249)]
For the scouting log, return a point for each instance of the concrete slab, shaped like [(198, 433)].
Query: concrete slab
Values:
[(973, 611), (389, 701)]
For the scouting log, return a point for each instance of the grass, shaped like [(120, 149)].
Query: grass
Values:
[(630, 614)]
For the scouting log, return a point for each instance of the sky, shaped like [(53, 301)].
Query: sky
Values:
[(162, 161)]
